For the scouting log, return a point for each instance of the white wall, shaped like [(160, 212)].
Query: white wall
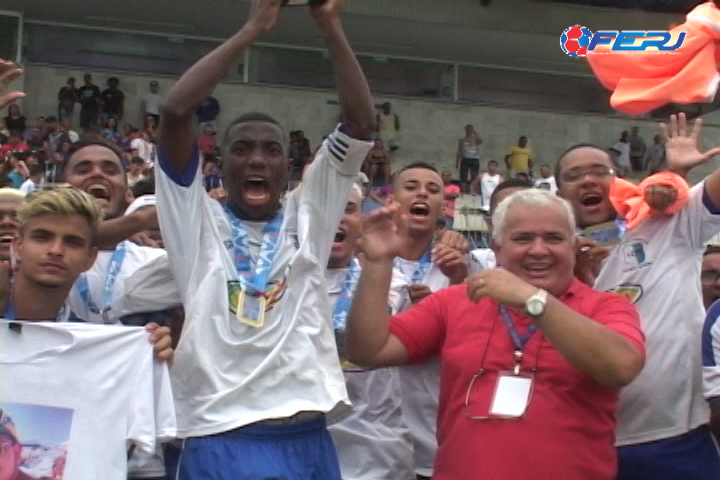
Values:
[(429, 129)]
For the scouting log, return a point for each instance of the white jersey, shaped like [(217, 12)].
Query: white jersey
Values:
[(488, 184), (550, 181), (482, 259), (657, 267), (373, 441), (83, 393), (421, 383), (137, 259), (290, 364)]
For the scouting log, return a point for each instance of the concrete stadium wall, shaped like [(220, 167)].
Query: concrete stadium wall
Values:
[(429, 129)]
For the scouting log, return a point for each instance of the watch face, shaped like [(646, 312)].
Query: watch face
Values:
[(535, 306)]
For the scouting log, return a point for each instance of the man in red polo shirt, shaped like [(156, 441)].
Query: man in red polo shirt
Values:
[(532, 360)]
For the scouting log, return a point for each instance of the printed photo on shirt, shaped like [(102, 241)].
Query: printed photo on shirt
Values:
[(33, 441)]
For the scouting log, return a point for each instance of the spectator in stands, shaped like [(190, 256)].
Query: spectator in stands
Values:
[(637, 150), (655, 161), (15, 144), (467, 157), (15, 121), (150, 128), (621, 149), (546, 178), (141, 146), (35, 177), (35, 141), (452, 192), (587, 343), (110, 132), (135, 172), (113, 100), (379, 163), (378, 197), (150, 103), (68, 96), (66, 125), (208, 112), (522, 176), (388, 127), (16, 171), (41, 124), (710, 275), (206, 140), (485, 184), (519, 159), (90, 102), (55, 134)]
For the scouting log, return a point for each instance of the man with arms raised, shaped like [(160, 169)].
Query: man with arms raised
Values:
[(373, 442), (662, 419), (419, 194), (256, 368)]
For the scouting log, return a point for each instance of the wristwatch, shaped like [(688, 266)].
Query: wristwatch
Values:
[(535, 305)]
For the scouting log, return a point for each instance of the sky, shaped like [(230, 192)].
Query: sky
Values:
[(48, 426)]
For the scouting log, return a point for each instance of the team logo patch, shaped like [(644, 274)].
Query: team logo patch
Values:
[(630, 291)]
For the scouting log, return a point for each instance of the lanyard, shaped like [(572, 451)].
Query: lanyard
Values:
[(345, 298), (83, 286), (421, 270), (255, 282), (518, 340)]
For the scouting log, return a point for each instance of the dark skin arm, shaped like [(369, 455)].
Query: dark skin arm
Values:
[(176, 136)]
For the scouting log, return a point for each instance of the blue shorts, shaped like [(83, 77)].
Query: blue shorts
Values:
[(303, 451), (692, 456)]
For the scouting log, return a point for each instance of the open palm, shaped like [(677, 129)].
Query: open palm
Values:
[(380, 238), (681, 148)]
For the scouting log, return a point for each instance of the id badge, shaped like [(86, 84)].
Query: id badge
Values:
[(512, 395), (605, 234), (251, 310)]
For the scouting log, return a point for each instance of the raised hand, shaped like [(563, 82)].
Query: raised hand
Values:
[(9, 72), (501, 285), (589, 257), (328, 10), (452, 262), (380, 240), (681, 148), (454, 240), (264, 14)]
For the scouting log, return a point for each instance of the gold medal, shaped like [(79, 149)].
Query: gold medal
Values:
[(251, 310)]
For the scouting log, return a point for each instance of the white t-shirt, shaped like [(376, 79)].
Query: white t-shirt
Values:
[(482, 259), (290, 364), (658, 268), (28, 186), (84, 391), (421, 382), (152, 103), (550, 181), (146, 150), (373, 441), (624, 153), (488, 184), (137, 259)]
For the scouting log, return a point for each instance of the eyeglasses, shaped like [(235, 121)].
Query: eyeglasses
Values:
[(597, 172), (710, 276)]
